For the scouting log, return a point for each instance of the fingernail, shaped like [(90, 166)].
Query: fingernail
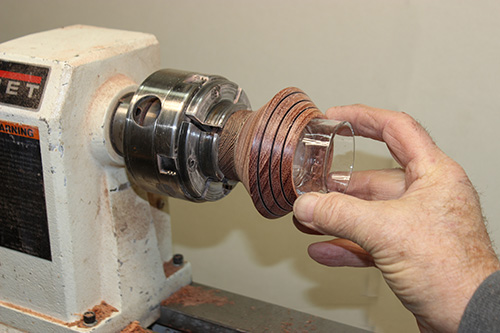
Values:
[(303, 208)]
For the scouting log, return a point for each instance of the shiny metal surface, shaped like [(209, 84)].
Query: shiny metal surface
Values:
[(238, 313), (171, 131), (118, 123)]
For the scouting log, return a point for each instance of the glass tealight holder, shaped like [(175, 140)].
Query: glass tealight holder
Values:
[(324, 157)]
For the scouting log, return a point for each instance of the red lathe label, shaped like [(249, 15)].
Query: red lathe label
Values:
[(23, 213), (22, 84)]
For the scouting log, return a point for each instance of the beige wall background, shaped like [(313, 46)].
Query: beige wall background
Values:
[(437, 60)]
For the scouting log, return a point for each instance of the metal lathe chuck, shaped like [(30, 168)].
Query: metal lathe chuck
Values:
[(168, 133)]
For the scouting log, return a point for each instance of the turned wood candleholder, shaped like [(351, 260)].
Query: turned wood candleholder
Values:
[(258, 149)]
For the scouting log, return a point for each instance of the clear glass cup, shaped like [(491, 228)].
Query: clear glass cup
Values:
[(324, 157)]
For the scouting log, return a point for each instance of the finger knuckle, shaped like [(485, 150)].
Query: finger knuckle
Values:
[(409, 121)]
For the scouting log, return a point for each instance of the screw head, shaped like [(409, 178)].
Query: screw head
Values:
[(89, 318), (178, 260)]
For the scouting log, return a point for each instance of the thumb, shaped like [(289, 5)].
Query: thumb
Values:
[(338, 215)]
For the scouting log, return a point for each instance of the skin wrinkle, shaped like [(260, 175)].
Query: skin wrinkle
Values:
[(396, 148), (368, 129), (329, 211)]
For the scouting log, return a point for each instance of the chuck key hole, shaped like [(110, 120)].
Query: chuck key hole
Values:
[(147, 110)]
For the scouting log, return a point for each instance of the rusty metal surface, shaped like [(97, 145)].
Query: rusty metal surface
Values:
[(244, 314)]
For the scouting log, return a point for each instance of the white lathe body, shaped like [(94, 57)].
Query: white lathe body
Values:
[(73, 231)]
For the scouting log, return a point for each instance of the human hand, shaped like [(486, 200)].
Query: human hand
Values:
[(421, 225)]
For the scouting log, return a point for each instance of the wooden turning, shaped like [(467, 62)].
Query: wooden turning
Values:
[(257, 148)]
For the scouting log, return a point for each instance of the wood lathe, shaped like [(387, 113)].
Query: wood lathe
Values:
[(88, 157)]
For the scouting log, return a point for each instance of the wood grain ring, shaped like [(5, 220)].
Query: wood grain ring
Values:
[(290, 146), (268, 144), (290, 140), (276, 167), (263, 125), (273, 114)]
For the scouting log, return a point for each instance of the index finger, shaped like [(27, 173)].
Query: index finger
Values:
[(406, 138)]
